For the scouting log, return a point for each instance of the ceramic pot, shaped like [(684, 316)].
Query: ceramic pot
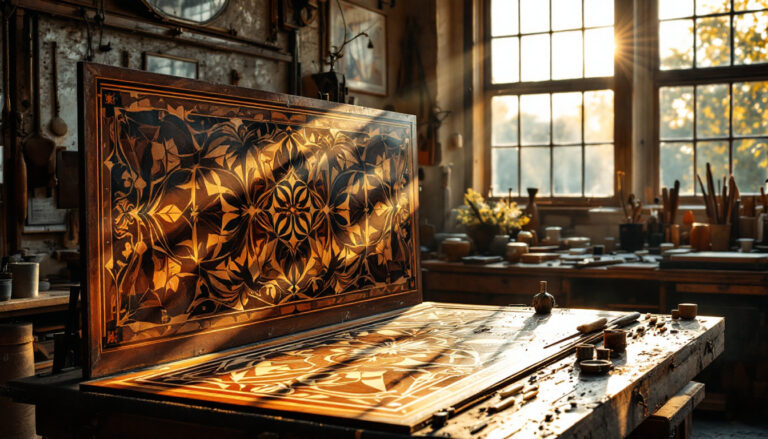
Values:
[(553, 234), (515, 250), (615, 340), (699, 237), (631, 237), (25, 279), (499, 245), (455, 249), (525, 236), (720, 236), (482, 235)]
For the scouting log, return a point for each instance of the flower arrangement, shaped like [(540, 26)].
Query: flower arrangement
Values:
[(503, 214)]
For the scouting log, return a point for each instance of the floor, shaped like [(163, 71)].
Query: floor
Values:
[(720, 429)]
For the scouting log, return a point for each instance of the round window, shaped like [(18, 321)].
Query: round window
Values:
[(194, 11)]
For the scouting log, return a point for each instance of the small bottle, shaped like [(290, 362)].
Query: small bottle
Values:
[(543, 302)]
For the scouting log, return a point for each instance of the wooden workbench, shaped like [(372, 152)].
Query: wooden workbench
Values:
[(569, 404), (739, 296), (504, 283), (54, 301)]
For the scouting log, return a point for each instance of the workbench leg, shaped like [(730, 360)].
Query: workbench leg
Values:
[(663, 298)]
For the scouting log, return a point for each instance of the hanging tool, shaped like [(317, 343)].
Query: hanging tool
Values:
[(38, 149), (57, 125), (599, 324)]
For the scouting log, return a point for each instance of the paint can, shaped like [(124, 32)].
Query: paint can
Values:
[(25, 279)]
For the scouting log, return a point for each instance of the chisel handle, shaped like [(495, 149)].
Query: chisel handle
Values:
[(592, 326), (626, 320)]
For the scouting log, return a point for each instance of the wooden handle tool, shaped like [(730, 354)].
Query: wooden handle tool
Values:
[(625, 320), (592, 326)]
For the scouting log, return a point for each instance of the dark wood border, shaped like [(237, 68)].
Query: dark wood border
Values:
[(100, 362)]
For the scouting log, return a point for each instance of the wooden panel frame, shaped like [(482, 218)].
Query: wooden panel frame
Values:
[(247, 327)]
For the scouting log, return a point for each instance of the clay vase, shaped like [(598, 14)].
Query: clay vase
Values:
[(699, 237), (455, 249), (482, 235), (526, 236), (515, 250), (532, 210)]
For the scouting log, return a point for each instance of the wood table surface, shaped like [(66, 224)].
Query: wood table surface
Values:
[(50, 301), (569, 404)]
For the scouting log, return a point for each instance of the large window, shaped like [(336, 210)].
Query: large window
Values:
[(552, 97), (713, 91)]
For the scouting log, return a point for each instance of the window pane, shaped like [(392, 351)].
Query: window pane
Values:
[(534, 16), (566, 14), (598, 170), (713, 42), (567, 170), (676, 163), (504, 117), (675, 8), (598, 13), (598, 116), (744, 5), (704, 7), (599, 49), (534, 166), (750, 38), (504, 170), (566, 119), (676, 44), (750, 159), (503, 17), (534, 121), (676, 113), (750, 106), (566, 52), (535, 59), (712, 110), (714, 153), (504, 60)]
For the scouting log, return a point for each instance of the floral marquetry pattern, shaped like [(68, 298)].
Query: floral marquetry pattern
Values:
[(220, 210), (394, 371)]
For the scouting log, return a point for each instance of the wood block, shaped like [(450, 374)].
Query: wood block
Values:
[(673, 419)]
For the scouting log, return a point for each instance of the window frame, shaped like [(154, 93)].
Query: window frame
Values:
[(696, 76), (620, 83)]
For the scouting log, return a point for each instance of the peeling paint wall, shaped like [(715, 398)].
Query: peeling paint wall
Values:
[(245, 18), (214, 66)]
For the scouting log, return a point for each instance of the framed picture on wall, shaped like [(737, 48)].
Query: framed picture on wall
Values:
[(364, 63), (171, 65)]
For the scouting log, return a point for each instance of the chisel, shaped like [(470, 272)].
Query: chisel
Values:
[(598, 324)]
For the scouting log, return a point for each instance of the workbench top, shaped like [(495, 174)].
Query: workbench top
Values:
[(54, 300), (656, 365)]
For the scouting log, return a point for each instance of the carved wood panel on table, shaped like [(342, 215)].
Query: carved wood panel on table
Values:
[(390, 372), (216, 216)]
